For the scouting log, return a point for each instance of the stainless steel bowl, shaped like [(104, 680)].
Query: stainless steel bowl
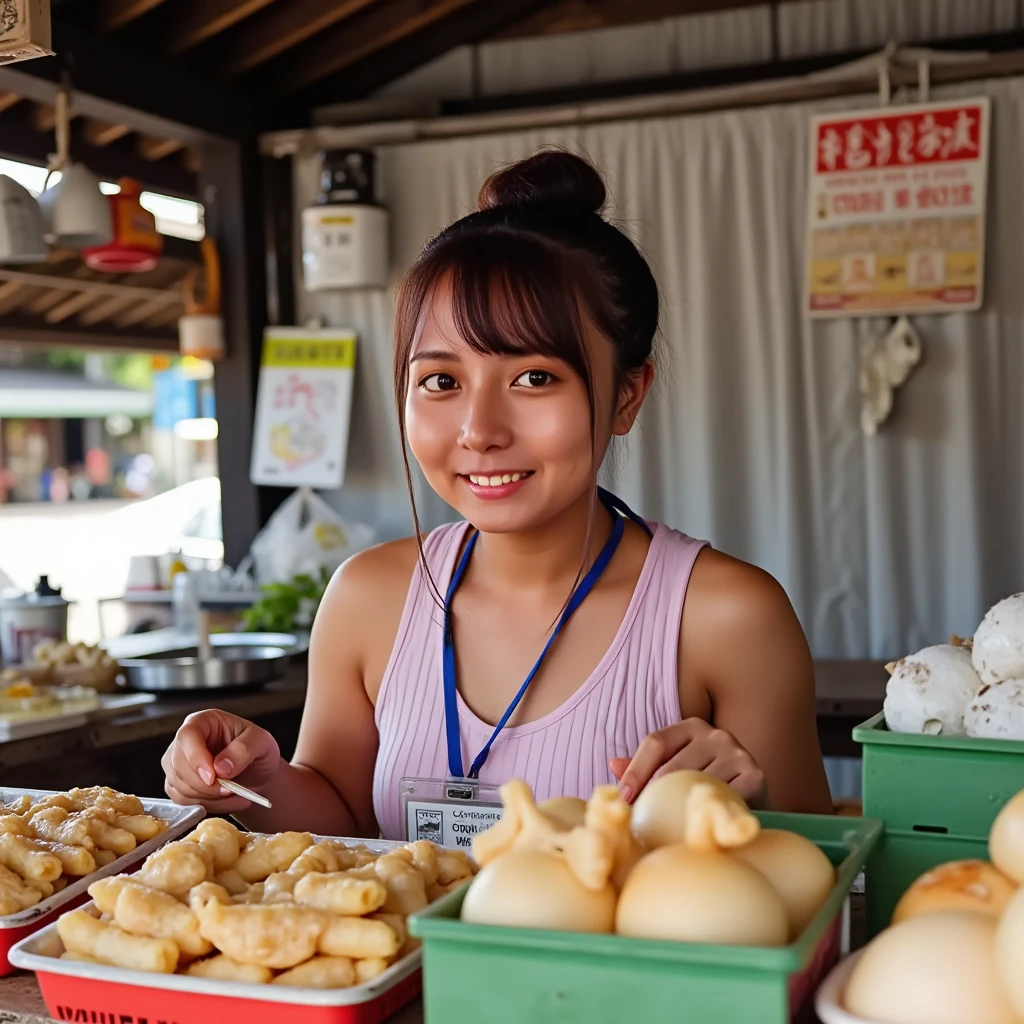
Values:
[(243, 665)]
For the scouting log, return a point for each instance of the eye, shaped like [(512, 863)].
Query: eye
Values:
[(439, 382), (534, 379)]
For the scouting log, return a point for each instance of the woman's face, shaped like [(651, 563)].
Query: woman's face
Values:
[(506, 440)]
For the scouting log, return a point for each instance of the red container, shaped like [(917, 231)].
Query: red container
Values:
[(16, 927), (74, 997), (98, 994)]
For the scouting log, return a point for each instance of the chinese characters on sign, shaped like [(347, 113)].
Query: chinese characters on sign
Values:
[(300, 435), (897, 210)]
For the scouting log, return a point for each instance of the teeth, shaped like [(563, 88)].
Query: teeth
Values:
[(495, 481)]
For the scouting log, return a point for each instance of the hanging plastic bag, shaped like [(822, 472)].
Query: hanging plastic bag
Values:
[(304, 536)]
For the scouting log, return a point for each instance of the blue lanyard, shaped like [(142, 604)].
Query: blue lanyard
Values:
[(451, 708)]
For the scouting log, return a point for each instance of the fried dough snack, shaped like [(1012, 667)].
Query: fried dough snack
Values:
[(82, 933), (63, 837), (598, 851), (175, 868), (140, 910), (280, 909), (15, 893)]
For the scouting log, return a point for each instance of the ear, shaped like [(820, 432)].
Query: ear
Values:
[(631, 397)]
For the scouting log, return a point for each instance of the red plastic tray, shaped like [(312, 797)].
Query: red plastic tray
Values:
[(76, 991), (16, 927), (87, 999)]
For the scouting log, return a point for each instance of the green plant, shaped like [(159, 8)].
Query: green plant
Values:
[(287, 607)]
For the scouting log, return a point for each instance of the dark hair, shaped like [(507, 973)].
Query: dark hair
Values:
[(536, 239)]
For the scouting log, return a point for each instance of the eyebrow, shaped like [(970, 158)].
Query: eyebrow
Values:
[(434, 355)]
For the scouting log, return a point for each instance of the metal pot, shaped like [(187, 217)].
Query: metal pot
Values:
[(231, 667), (28, 619)]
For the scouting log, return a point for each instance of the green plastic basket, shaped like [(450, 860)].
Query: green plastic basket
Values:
[(937, 797), (496, 975)]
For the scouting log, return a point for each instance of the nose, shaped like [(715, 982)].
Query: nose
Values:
[(484, 427)]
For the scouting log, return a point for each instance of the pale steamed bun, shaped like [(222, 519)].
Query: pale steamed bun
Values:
[(934, 969), (659, 813)]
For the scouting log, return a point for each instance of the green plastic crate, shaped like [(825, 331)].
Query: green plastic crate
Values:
[(899, 860), (937, 797), (496, 975)]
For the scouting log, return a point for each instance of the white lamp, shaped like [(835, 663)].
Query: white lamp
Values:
[(75, 213), (21, 225)]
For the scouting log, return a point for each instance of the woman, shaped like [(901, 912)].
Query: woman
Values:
[(524, 339)]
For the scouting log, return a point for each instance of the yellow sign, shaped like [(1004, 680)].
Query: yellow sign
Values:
[(310, 352), (303, 408)]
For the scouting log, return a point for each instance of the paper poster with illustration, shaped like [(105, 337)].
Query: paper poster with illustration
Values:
[(303, 407), (896, 220)]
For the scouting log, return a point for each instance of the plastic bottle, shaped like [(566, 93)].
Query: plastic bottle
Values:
[(185, 602)]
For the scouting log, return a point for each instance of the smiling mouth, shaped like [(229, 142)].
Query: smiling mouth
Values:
[(497, 479)]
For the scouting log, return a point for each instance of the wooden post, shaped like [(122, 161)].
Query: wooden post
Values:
[(231, 192)]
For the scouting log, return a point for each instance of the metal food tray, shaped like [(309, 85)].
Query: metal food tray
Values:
[(70, 987), (231, 666), (15, 927)]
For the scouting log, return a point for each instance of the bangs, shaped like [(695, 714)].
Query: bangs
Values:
[(511, 294)]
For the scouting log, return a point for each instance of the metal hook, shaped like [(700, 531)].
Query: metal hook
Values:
[(924, 79)]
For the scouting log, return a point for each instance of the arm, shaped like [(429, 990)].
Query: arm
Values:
[(328, 786), (744, 647), (744, 666)]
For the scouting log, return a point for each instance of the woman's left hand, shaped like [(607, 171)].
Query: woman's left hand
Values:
[(694, 744)]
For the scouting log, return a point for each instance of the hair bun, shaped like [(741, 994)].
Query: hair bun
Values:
[(551, 176)]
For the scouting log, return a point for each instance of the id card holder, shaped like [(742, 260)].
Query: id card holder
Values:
[(448, 812)]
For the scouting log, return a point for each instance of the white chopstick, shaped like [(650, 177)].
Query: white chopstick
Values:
[(238, 790)]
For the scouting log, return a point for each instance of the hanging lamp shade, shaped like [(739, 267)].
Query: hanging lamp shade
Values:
[(21, 225), (76, 213), (136, 243)]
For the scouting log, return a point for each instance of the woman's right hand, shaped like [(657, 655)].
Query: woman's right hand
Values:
[(211, 744)]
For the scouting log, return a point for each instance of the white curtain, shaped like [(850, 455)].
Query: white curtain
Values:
[(752, 438)]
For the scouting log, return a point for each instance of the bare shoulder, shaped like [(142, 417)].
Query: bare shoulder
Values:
[(738, 620), (726, 594), (358, 618), (379, 566)]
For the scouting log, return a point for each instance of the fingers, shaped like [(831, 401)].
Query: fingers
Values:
[(695, 745), (188, 763), (241, 752), (656, 750), (191, 742), (226, 805)]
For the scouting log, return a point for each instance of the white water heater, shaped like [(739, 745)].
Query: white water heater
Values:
[(345, 234)]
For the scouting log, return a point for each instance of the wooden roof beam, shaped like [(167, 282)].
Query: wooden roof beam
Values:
[(379, 28), (44, 117), (156, 149), (10, 295), (283, 28), (146, 309), (105, 310), (118, 13), (584, 15), (390, 41), (70, 306), (120, 84), (8, 100), (208, 18), (99, 133), (23, 329), (19, 140)]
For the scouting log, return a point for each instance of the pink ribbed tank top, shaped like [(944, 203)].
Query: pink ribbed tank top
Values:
[(633, 691)]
